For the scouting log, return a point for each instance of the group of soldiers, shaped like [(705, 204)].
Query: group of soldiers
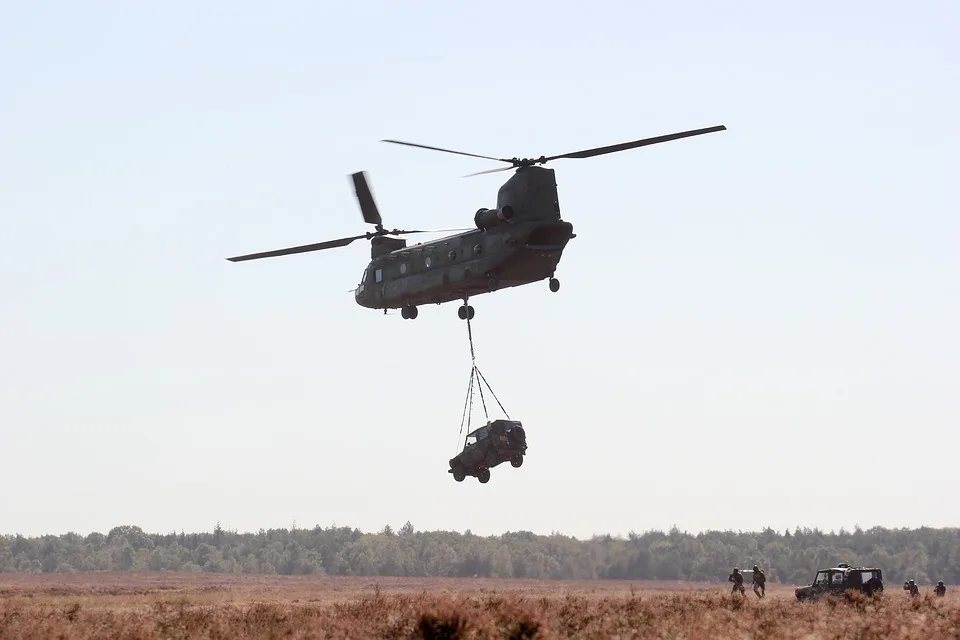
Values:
[(759, 582), (940, 590)]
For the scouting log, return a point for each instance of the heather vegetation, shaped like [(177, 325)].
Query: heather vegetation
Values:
[(180, 606), (924, 554)]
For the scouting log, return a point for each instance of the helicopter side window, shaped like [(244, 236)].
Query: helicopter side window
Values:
[(363, 278), (379, 275)]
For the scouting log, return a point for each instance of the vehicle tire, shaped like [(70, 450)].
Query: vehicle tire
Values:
[(459, 474), (873, 586), (484, 476), (516, 461)]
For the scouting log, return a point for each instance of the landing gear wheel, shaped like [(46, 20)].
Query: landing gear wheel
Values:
[(465, 312), (516, 461), (404, 314), (484, 476), (408, 313), (459, 474), (469, 312), (554, 285)]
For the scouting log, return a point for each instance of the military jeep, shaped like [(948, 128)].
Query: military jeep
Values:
[(868, 581), (488, 446)]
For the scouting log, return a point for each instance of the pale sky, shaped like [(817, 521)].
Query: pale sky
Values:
[(755, 327)]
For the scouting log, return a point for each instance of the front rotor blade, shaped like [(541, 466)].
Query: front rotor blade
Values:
[(368, 206), (599, 151), (461, 153), (401, 232), (329, 244)]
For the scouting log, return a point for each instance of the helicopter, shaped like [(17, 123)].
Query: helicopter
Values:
[(519, 242)]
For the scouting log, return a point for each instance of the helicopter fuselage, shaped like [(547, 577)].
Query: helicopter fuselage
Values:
[(464, 265), (519, 242)]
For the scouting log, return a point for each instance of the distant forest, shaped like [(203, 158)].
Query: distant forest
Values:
[(924, 554)]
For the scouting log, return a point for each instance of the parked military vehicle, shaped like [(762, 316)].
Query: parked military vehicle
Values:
[(835, 581), (486, 447)]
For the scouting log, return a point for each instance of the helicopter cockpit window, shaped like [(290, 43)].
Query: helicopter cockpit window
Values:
[(379, 275), (363, 278), (471, 439)]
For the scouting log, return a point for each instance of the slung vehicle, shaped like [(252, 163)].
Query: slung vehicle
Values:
[(519, 242), (486, 447), (834, 581)]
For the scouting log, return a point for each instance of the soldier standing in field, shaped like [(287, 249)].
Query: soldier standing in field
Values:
[(940, 590), (759, 582), (737, 579), (912, 587)]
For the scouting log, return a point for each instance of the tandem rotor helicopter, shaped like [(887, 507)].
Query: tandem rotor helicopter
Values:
[(518, 243)]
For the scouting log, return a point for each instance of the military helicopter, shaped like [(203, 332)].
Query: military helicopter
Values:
[(519, 242)]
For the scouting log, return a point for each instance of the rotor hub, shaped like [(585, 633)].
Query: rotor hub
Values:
[(527, 162)]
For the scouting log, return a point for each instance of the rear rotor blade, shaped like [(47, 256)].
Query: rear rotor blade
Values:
[(599, 151), (480, 173), (329, 244), (461, 153), (368, 206)]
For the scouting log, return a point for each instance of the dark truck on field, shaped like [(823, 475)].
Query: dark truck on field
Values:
[(488, 446), (835, 581)]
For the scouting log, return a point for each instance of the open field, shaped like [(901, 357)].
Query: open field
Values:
[(166, 605)]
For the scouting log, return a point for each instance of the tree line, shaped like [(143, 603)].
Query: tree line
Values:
[(924, 554)]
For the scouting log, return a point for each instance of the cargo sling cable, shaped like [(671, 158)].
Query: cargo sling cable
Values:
[(474, 374)]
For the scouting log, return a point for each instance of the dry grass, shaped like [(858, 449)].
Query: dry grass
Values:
[(79, 606)]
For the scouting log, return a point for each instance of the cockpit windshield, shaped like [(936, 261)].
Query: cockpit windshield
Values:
[(480, 433)]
